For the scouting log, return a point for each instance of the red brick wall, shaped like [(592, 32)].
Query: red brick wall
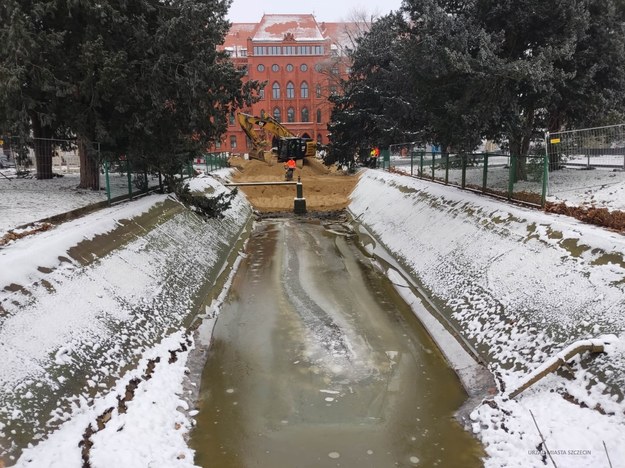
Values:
[(318, 72)]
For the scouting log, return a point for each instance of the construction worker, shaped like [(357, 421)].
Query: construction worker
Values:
[(373, 157), (289, 166)]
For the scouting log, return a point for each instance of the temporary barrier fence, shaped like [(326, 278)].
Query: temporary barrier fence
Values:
[(585, 158)]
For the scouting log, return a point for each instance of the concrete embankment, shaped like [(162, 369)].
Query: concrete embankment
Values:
[(518, 285), (81, 304)]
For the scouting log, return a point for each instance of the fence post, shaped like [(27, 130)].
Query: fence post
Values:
[(463, 164), (421, 155), (543, 198), (433, 161), (129, 175), (511, 175), (446, 168), (485, 173), (108, 182)]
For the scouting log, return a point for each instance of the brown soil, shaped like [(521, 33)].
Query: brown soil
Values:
[(324, 189)]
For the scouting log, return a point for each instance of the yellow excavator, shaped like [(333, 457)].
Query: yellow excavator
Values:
[(288, 145)]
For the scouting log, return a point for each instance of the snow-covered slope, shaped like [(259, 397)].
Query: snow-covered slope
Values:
[(520, 285)]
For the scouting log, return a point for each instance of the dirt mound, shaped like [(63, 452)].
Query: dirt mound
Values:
[(324, 189)]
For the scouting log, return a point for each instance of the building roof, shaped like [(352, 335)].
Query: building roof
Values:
[(238, 34), (275, 27)]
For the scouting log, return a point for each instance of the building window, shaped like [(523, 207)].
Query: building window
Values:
[(261, 93), (303, 67), (290, 90), (305, 114), (290, 115), (275, 67), (319, 138), (317, 67), (318, 115), (318, 90), (275, 90), (318, 50), (304, 90), (332, 89), (231, 118), (289, 50), (277, 114), (289, 67), (217, 144), (334, 70), (260, 67), (233, 141), (274, 50)]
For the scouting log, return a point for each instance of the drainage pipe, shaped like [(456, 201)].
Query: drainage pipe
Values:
[(594, 346)]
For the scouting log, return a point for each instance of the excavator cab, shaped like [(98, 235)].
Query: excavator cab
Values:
[(291, 147)]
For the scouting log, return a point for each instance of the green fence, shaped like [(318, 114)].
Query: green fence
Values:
[(502, 175), (125, 181), (213, 161)]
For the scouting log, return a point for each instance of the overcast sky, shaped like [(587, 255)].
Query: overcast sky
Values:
[(251, 11)]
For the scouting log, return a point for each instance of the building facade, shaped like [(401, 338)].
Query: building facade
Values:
[(301, 63)]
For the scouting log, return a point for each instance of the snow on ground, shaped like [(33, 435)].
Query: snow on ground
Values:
[(27, 200), (84, 315), (521, 285), (578, 187), (575, 186)]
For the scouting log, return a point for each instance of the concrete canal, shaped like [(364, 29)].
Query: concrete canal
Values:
[(317, 362)]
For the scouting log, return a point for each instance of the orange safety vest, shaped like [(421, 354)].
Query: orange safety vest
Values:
[(290, 164)]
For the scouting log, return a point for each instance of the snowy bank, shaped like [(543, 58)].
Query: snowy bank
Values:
[(520, 285), (93, 311)]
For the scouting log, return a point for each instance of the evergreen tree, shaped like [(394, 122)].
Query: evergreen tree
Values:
[(371, 109), (458, 71), (142, 76)]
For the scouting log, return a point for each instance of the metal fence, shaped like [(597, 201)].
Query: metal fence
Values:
[(212, 161), (58, 157), (521, 179), (116, 177), (585, 158)]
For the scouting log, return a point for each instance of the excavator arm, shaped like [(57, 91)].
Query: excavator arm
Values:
[(259, 144)]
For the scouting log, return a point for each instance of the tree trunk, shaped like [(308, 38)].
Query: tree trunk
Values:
[(518, 152), (89, 165), (520, 145), (43, 149)]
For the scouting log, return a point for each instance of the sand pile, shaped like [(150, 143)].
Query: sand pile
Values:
[(324, 189)]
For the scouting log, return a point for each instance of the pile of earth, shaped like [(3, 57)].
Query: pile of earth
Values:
[(325, 189)]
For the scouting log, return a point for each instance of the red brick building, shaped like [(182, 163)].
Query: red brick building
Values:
[(300, 61)]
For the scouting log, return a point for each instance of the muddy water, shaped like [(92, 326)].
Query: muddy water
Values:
[(316, 362)]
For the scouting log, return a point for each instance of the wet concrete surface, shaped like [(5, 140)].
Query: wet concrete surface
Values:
[(317, 362)]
